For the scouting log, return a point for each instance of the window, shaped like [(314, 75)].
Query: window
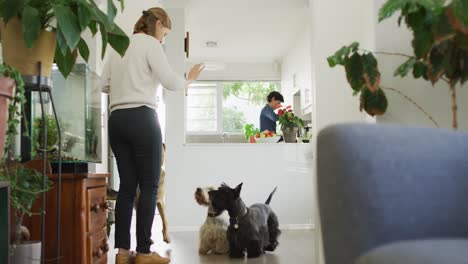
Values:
[(215, 109)]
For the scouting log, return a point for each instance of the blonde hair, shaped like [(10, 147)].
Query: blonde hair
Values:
[(147, 22)]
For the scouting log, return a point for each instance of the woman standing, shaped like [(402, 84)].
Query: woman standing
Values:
[(134, 130)]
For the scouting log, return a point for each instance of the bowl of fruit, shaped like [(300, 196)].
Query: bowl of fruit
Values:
[(266, 137)]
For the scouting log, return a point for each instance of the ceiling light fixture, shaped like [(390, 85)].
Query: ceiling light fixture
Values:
[(212, 44)]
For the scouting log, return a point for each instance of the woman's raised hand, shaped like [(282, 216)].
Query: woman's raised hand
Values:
[(195, 72)]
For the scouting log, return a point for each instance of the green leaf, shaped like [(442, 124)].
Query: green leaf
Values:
[(464, 68), (84, 50), (11, 8), (404, 69), (68, 25), (332, 61), (390, 7), (393, 6), (441, 27), (61, 42), (100, 16), (111, 11), (84, 15), (422, 42), (122, 5), (118, 40), (420, 70), (64, 62), (341, 56), (460, 8), (103, 31), (370, 65), (439, 59), (374, 103), (93, 27), (354, 46), (31, 25), (354, 72)]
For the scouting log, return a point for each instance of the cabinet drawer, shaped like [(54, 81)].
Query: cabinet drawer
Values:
[(98, 247), (97, 209)]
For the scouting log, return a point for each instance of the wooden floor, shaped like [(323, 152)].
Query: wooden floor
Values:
[(296, 247)]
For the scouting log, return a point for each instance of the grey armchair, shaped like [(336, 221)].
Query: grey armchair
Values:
[(393, 194)]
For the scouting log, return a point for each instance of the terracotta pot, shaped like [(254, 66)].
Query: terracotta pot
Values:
[(289, 134), (25, 60), (7, 86)]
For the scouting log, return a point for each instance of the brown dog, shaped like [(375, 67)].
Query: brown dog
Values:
[(112, 195), (160, 197)]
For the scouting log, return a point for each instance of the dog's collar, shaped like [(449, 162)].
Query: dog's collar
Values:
[(235, 220), (214, 214)]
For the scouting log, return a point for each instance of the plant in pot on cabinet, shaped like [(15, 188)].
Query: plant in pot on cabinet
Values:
[(290, 124), (25, 184), (48, 30)]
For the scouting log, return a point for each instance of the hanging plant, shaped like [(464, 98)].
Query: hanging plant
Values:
[(15, 106)]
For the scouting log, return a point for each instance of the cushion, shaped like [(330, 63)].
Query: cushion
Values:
[(437, 251)]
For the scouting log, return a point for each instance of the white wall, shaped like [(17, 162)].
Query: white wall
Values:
[(297, 62), (435, 100), (335, 23)]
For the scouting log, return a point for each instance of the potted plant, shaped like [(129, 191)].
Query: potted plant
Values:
[(48, 30), (440, 45), (25, 188), (289, 123), (250, 131), (25, 184)]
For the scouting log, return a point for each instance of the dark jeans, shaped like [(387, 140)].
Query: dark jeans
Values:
[(135, 138)]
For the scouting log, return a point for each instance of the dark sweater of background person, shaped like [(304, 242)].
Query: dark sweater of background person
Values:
[(268, 119)]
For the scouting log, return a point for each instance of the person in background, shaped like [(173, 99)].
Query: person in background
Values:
[(134, 131), (268, 117)]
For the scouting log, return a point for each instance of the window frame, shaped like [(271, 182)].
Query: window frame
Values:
[(219, 106)]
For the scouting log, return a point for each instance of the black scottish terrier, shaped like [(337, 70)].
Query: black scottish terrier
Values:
[(252, 230)]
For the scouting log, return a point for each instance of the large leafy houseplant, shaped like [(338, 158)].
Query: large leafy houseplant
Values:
[(440, 47), (68, 19)]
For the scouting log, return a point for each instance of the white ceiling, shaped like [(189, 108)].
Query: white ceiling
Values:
[(245, 30)]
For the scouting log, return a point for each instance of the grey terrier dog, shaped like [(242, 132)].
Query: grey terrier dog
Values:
[(252, 230), (213, 231)]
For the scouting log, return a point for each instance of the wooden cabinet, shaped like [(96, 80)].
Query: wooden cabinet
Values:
[(83, 219)]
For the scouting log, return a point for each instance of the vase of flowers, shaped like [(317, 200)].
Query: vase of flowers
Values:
[(290, 124)]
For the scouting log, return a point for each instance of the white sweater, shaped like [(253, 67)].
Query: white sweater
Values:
[(132, 81)]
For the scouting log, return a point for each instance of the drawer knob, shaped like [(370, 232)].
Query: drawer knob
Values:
[(104, 206), (105, 247), (95, 208), (98, 253)]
